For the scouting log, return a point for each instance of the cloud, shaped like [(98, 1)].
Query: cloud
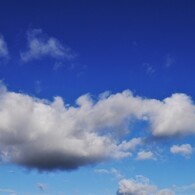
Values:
[(39, 45), (38, 87), (140, 186), (42, 186), (116, 173), (146, 155), (7, 190), (169, 61), (47, 135), (185, 189), (148, 68), (174, 116), (184, 149), (3, 48), (50, 135)]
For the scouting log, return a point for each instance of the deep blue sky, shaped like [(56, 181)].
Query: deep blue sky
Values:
[(144, 46), (113, 40)]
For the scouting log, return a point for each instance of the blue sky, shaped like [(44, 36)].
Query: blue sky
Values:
[(97, 97)]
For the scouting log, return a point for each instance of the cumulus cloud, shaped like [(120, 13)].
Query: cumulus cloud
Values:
[(50, 135), (3, 48), (39, 45), (145, 155), (140, 186), (184, 149), (47, 135)]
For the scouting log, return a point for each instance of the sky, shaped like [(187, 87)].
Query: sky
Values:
[(97, 97)]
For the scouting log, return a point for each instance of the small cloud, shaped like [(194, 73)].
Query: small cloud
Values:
[(102, 171), (131, 145), (141, 186), (8, 191), (38, 87), (169, 61), (146, 155), (12, 171), (116, 173), (148, 68), (184, 149), (3, 48), (58, 65), (42, 186), (39, 45)]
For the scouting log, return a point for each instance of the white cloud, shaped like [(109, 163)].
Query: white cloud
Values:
[(140, 186), (145, 155), (48, 135), (174, 115), (132, 187), (39, 45), (184, 149), (3, 48), (116, 173)]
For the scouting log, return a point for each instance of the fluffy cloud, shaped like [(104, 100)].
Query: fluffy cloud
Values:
[(3, 48), (174, 116), (145, 155), (50, 135), (47, 135), (140, 186), (184, 149), (39, 45)]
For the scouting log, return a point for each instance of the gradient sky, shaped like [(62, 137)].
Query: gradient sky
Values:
[(97, 97)]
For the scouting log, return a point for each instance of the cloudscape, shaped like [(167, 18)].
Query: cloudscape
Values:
[(97, 97)]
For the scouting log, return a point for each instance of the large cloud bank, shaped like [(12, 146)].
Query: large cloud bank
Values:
[(47, 135)]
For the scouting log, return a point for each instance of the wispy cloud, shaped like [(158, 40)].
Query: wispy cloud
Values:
[(169, 61), (40, 45), (4, 53), (148, 68), (7, 191), (38, 87), (146, 155), (116, 173), (184, 149), (42, 186), (47, 135)]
